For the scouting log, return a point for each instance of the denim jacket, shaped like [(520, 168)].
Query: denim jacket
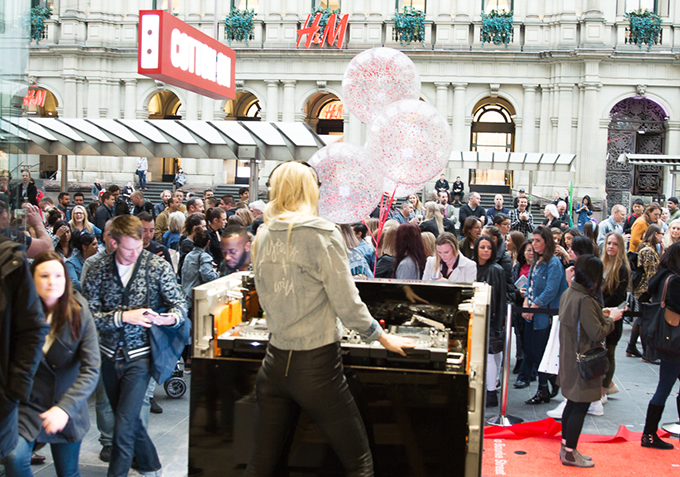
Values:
[(304, 285), (547, 282)]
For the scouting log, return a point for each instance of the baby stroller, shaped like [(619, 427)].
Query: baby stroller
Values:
[(175, 387)]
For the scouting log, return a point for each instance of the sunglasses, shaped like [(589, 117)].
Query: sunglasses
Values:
[(316, 174)]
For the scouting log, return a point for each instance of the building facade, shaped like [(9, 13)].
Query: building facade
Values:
[(570, 80)]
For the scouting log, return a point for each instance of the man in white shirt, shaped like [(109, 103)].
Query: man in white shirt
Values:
[(142, 167)]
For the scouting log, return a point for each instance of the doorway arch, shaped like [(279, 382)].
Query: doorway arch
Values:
[(637, 126), (325, 113)]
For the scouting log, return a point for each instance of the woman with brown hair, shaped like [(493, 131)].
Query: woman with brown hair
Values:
[(57, 412), (410, 260), (513, 242), (651, 216), (387, 250), (64, 246), (472, 229), (647, 263)]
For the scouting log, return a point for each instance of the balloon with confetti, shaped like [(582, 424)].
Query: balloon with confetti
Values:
[(351, 182), (376, 78), (411, 141), (400, 190)]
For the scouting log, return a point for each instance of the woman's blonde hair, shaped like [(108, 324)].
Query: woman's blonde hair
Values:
[(447, 238), (667, 239), (432, 212), (293, 193), (176, 222), (245, 215), (429, 242), (86, 223), (418, 205), (612, 265), (388, 239)]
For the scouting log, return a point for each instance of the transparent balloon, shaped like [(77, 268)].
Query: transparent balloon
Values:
[(410, 141), (376, 78), (351, 182), (400, 190)]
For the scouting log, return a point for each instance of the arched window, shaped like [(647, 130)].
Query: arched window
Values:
[(493, 129), (245, 107), (325, 114)]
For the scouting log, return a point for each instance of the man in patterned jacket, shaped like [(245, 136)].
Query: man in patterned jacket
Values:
[(130, 291)]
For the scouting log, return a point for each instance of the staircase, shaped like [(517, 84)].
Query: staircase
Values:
[(155, 189)]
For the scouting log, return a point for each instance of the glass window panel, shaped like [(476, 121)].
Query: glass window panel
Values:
[(331, 110), (498, 5), (244, 5), (328, 4), (641, 4), (254, 110), (492, 117), (417, 4)]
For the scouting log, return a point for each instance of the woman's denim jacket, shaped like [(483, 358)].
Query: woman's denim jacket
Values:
[(304, 285), (547, 282)]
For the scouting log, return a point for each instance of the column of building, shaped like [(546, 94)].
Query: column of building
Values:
[(272, 111), (460, 141), (288, 100), (529, 119), (130, 111)]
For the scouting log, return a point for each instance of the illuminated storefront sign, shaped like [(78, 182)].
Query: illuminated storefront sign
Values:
[(331, 110), (35, 98), (331, 34), (180, 55)]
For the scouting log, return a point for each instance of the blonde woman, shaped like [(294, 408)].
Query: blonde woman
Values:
[(435, 222), (304, 285), (429, 242), (672, 235), (387, 250), (246, 216), (448, 263), (79, 222), (615, 287), (175, 226), (418, 209)]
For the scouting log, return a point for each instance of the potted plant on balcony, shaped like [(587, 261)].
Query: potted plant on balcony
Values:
[(239, 25), (645, 27), (38, 16), (409, 26), (497, 27)]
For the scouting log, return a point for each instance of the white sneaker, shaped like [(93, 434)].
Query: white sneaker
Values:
[(596, 408), (557, 412), (613, 389), (604, 399)]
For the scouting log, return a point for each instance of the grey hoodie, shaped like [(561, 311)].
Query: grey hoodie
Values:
[(305, 286)]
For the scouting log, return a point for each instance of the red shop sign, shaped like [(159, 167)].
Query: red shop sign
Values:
[(180, 55), (35, 98), (330, 33)]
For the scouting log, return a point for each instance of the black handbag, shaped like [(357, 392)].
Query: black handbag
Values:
[(660, 330), (593, 363)]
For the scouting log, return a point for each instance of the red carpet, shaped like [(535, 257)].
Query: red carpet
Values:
[(531, 449)]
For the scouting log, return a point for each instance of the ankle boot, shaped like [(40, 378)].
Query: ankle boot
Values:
[(491, 398), (649, 436), (575, 459), (555, 389), (541, 396)]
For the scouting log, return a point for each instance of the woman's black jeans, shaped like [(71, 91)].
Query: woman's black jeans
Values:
[(535, 342), (572, 422), (313, 381)]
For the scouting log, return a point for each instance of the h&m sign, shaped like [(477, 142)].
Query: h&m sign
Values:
[(331, 34)]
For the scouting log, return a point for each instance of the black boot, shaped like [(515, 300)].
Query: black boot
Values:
[(491, 398), (541, 396), (649, 437), (632, 350), (555, 389)]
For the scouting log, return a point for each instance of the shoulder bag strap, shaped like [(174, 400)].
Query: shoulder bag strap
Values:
[(665, 288), (578, 327)]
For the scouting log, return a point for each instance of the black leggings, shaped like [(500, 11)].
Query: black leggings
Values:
[(572, 422), (313, 381)]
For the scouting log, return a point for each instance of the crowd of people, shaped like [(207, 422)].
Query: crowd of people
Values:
[(104, 272)]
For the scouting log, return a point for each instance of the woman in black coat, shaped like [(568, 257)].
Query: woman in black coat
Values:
[(490, 272), (26, 189), (56, 412)]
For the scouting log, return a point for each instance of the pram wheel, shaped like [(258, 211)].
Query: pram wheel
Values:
[(175, 387)]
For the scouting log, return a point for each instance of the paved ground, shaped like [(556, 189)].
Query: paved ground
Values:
[(637, 381)]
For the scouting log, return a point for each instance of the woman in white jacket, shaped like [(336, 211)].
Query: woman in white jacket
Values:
[(448, 263)]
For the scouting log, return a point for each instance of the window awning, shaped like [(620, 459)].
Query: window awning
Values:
[(161, 138), (649, 159), (514, 161)]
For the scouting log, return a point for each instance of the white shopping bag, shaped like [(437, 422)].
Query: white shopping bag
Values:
[(550, 363)]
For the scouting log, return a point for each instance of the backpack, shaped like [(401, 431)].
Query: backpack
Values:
[(636, 272)]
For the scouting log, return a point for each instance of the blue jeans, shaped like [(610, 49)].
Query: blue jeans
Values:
[(126, 383), (105, 419), (146, 405), (18, 463), (668, 373), (535, 342), (142, 179)]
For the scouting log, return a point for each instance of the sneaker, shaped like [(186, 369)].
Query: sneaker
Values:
[(557, 412), (613, 389), (105, 454), (604, 399), (155, 407), (596, 408)]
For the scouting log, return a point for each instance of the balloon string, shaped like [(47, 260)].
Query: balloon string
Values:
[(385, 206)]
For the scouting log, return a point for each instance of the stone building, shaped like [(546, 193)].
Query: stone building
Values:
[(570, 80)]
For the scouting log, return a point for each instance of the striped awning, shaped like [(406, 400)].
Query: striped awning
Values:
[(513, 161), (649, 159), (162, 138)]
